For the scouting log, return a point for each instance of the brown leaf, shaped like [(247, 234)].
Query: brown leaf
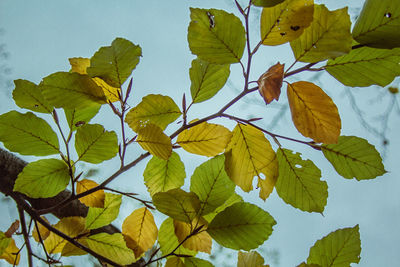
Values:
[(270, 83), (12, 229)]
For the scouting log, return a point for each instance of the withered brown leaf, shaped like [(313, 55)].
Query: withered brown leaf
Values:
[(270, 83)]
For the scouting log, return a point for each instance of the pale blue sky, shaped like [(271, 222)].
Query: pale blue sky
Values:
[(42, 35)]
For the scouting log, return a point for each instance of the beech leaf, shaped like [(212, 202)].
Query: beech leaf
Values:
[(270, 83), (313, 112), (95, 199), (151, 138)]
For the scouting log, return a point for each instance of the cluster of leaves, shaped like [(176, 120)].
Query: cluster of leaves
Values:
[(211, 210)]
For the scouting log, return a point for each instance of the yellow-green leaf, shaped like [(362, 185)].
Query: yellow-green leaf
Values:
[(71, 226), (241, 226), (201, 241), (266, 3), (196, 262), (250, 154), (43, 178), (28, 95), (216, 36), (313, 112), (169, 241), (366, 66), (285, 22), (327, 37), (115, 63), (378, 24), (71, 90), (207, 79), (79, 117), (79, 65), (151, 138), (98, 217), (112, 247), (71, 250), (31, 135), (4, 242), (211, 184), (174, 262), (95, 199), (140, 231), (205, 139), (11, 253), (339, 248), (234, 198), (162, 175), (159, 110), (250, 259), (94, 144), (299, 182), (178, 204), (354, 157)]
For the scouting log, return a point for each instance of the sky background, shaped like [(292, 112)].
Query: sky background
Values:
[(40, 36)]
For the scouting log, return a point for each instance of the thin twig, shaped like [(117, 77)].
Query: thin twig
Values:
[(26, 236)]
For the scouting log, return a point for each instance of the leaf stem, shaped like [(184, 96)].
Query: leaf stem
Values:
[(26, 236)]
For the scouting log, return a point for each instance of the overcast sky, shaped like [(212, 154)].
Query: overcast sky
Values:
[(41, 35)]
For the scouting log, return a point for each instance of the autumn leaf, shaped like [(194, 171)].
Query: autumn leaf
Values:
[(95, 199), (270, 83), (154, 140), (201, 241), (12, 229), (11, 253), (313, 112), (44, 232), (139, 231)]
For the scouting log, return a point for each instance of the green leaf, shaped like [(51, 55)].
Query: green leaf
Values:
[(207, 79), (71, 90), (115, 63), (27, 134), (366, 66), (250, 259), (241, 226), (151, 138), (4, 242), (94, 144), (156, 109), (169, 241), (216, 36), (43, 178), (378, 24), (112, 247), (162, 175), (196, 262), (205, 139), (98, 217), (79, 117), (266, 3), (286, 21), (28, 95), (339, 248), (354, 157), (234, 198), (299, 182), (328, 36), (178, 204), (211, 184)]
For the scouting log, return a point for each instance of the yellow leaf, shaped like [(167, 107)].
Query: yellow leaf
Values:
[(205, 139), (174, 262), (202, 241), (250, 259), (151, 138), (80, 64), (313, 112), (266, 186), (270, 83), (72, 250), (286, 21), (250, 154), (11, 254), (140, 231), (44, 232), (95, 199), (71, 226)]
